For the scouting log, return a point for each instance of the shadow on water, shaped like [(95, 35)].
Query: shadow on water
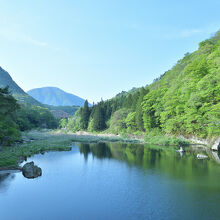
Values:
[(166, 161)]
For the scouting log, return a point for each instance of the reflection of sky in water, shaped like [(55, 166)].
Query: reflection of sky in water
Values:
[(113, 182)]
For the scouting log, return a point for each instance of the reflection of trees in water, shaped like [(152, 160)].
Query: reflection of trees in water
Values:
[(85, 150), (99, 150), (165, 161), (5, 179)]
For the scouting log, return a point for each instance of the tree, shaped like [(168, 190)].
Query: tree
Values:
[(85, 115), (99, 118), (139, 111), (9, 131)]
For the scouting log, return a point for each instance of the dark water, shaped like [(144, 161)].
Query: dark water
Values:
[(114, 181)]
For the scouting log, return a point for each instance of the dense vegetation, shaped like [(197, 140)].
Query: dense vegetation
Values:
[(9, 131), (29, 117), (184, 100), (15, 118), (70, 110)]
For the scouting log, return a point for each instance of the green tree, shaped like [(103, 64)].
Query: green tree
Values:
[(139, 111), (99, 118), (9, 131), (85, 115)]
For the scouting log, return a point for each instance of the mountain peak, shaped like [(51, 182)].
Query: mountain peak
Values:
[(55, 96)]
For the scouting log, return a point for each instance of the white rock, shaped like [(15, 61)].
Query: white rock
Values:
[(201, 156), (216, 145)]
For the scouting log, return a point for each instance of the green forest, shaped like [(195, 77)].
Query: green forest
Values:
[(183, 101), (15, 118)]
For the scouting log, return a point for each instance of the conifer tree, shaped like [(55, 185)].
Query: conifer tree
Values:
[(98, 118), (85, 115)]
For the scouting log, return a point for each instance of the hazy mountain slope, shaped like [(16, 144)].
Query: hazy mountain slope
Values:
[(16, 91), (55, 96)]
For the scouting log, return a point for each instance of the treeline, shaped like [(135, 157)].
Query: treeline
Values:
[(184, 100), (121, 114), (15, 118)]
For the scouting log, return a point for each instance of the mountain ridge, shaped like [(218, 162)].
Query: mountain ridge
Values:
[(15, 90), (55, 96)]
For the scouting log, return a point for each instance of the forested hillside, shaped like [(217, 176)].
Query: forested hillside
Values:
[(9, 131), (184, 100), (15, 118), (19, 111)]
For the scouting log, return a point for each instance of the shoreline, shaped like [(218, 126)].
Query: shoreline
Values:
[(43, 141), (191, 141), (132, 138)]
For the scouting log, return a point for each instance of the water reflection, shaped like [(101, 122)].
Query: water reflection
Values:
[(5, 179), (118, 181), (100, 150), (166, 161)]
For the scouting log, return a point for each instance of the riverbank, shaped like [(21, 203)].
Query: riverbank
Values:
[(160, 140), (35, 142), (84, 136), (153, 139)]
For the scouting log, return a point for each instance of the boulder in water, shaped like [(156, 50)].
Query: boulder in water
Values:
[(181, 150), (202, 156), (31, 171), (216, 145)]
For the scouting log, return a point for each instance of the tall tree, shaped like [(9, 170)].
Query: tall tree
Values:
[(98, 118), (139, 112), (85, 115)]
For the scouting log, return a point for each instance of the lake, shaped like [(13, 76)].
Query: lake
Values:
[(114, 181)]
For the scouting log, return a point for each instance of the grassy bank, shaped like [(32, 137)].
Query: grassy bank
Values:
[(163, 140), (97, 137), (34, 142), (42, 141), (152, 138)]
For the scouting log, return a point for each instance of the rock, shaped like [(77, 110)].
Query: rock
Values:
[(202, 156), (216, 156), (30, 171), (181, 149), (216, 145)]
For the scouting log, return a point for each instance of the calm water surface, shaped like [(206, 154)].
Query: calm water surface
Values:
[(114, 181)]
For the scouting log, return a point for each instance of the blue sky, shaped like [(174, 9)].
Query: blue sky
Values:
[(97, 48)]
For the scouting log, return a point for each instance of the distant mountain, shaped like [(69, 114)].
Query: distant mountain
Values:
[(56, 97), (16, 91)]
